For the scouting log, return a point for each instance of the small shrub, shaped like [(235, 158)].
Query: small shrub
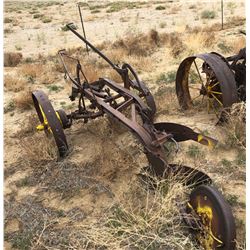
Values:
[(232, 199), (14, 84), (163, 25), (208, 14), (9, 107), (12, 59), (166, 78), (193, 6), (226, 163), (8, 20), (54, 88), (241, 158), (24, 100), (38, 16), (8, 31), (194, 151), (95, 11), (46, 20), (18, 47), (224, 48), (160, 7)]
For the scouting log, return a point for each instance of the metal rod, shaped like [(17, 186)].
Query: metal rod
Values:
[(222, 14), (92, 47), (80, 13)]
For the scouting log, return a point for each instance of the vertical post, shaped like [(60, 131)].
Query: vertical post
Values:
[(222, 14), (80, 13)]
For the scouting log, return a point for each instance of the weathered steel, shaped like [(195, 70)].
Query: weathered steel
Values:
[(134, 111), (222, 72)]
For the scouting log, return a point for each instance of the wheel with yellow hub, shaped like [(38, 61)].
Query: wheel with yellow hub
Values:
[(205, 81), (216, 226), (52, 122)]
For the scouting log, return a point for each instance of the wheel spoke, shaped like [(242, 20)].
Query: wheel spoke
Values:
[(198, 73), (191, 87), (216, 92), (214, 85), (195, 97), (217, 99)]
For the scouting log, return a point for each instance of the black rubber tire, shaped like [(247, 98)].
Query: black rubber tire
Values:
[(223, 223)]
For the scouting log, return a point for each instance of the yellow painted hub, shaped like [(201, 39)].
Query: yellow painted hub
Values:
[(206, 237), (45, 124)]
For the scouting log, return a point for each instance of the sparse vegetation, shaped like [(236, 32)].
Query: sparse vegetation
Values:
[(46, 20), (168, 77), (194, 151), (208, 14), (54, 87), (160, 7), (24, 100), (12, 59), (13, 83), (224, 48)]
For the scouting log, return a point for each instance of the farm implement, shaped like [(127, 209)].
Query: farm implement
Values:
[(211, 80), (130, 103)]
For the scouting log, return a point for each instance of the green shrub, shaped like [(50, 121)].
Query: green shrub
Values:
[(160, 7), (168, 77), (46, 20), (208, 14)]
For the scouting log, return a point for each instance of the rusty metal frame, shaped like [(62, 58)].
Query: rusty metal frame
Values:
[(152, 136)]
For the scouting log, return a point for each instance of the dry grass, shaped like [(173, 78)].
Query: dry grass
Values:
[(196, 43), (38, 148), (12, 59), (139, 44), (238, 44), (145, 219), (175, 42), (14, 84), (23, 100), (236, 126), (30, 70)]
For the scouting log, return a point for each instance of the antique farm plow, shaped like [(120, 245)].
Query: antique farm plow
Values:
[(132, 104)]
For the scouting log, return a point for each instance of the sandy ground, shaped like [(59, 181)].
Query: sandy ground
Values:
[(105, 159)]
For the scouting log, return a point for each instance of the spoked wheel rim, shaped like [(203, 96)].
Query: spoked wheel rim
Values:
[(144, 93), (50, 121), (208, 79), (217, 226)]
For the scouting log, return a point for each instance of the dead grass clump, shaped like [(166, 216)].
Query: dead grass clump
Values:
[(146, 219), (166, 100), (29, 126), (238, 44), (236, 21), (236, 125), (139, 44), (174, 41), (14, 84), (12, 59), (196, 43), (24, 100), (30, 70), (38, 148), (175, 10)]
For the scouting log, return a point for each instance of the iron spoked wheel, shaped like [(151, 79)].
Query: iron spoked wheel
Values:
[(205, 81), (51, 121), (217, 226)]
